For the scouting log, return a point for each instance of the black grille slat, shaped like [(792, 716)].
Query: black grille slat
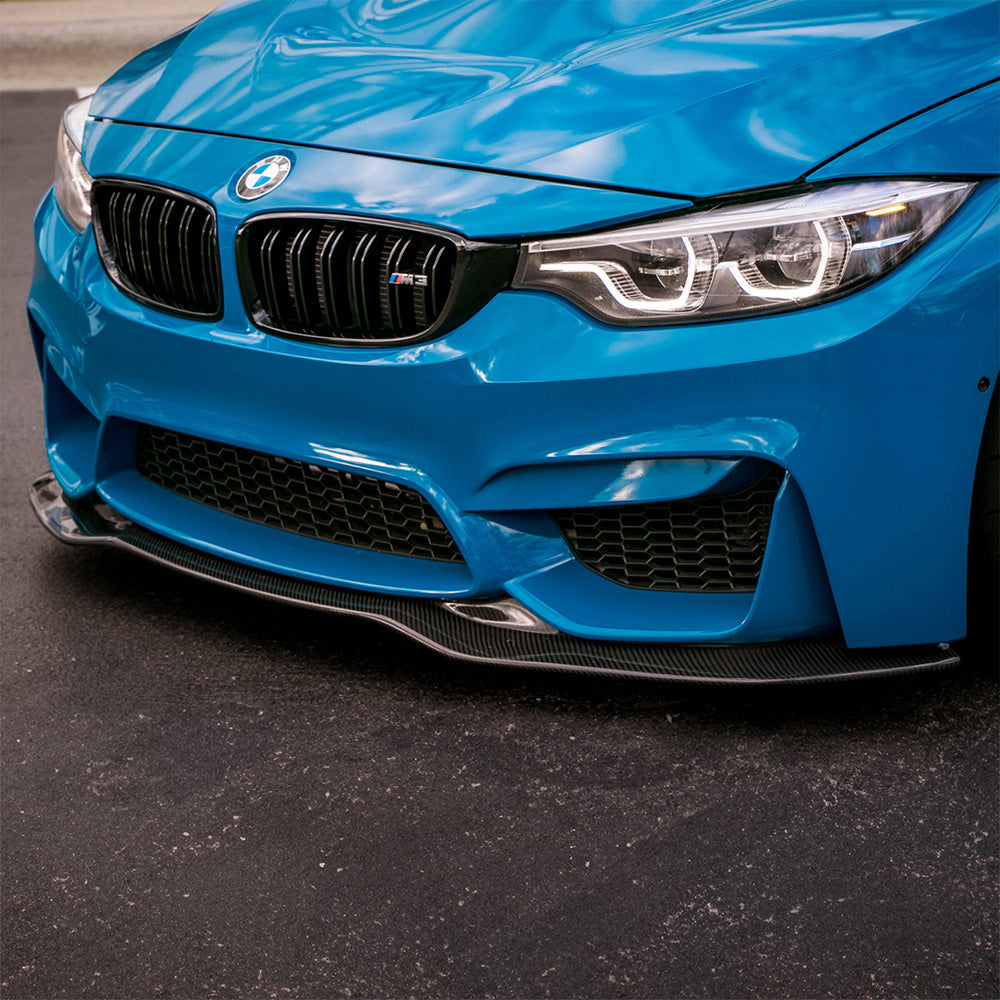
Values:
[(145, 256), (296, 272), (389, 294), (436, 291), (307, 499), (332, 297), (184, 257), (269, 251), (167, 280), (159, 246), (365, 275), (423, 302), (334, 277), (127, 209), (712, 544), (209, 273)]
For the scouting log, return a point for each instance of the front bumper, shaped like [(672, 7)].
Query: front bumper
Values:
[(502, 632), (868, 404)]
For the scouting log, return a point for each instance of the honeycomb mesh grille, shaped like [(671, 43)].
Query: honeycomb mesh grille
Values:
[(316, 501), (341, 280), (709, 544), (159, 246)]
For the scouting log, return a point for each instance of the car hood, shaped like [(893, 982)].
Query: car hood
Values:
[(694, 99)]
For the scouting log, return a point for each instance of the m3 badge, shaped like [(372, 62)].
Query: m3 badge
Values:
[(396, 278)]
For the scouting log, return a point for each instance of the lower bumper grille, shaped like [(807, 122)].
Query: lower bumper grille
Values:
[(316, 501), (708, 544)]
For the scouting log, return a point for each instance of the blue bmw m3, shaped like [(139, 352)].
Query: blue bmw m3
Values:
[(654, 339)]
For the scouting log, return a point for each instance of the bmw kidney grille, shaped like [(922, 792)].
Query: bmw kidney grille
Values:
[(325, 278), (159, 246)]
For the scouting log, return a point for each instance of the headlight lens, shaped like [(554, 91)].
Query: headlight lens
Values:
[(743, 259), (72, 183)]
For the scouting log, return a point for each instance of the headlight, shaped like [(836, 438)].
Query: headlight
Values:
[(743, 259), (72, 180)]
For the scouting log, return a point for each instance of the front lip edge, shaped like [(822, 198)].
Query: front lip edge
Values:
[(65, 520)]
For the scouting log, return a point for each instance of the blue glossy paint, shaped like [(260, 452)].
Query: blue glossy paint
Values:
[(605, 482), (698, 99), (869, 403), (476, 204), (961, 136)]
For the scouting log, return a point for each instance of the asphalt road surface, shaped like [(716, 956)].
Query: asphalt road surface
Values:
[(208, 795)]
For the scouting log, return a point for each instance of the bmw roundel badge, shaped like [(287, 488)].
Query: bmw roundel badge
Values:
[(265, 175)]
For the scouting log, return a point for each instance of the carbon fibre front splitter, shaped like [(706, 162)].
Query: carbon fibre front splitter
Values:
[(505, 633)]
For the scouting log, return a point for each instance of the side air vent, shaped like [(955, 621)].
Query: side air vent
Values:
[(341, 279), (711, 544), (159, 246)]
